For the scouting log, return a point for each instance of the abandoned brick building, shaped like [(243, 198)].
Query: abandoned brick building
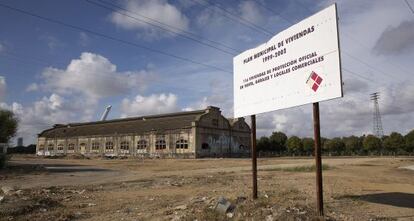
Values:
[(189, 134)]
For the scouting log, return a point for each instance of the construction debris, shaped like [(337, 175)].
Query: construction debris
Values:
[(7, 190), (223, 206)]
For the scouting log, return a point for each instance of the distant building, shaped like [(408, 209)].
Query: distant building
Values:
[(190, 134), (20, 141)]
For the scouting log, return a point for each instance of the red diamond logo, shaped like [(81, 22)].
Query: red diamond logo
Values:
[(314, 75), (315, 87), (314, 81), (319, 80)]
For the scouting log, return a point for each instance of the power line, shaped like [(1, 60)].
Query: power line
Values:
[(358, 75), (236, 18), (368, 65), (274, 12), (365, 46), (356, 40), (343, 51), (409, 6), (112, 38), (32, 59), (160, 27), (359, 42), (169, 26)]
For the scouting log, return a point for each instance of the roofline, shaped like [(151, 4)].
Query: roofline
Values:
[(131, 118)]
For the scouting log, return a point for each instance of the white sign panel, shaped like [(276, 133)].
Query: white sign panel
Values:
[(298, 66)]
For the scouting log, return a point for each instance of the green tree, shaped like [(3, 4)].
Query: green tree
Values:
[(8, 125), (294, 145), (308, 145), (263, 144), (394, 143), (409, 142), (372, 144), (335, 146), (278, 141), (324, 147), (353, 144)]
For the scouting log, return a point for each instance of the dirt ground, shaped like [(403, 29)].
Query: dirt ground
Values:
[(35, 188)]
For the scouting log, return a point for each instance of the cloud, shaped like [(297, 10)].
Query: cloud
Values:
[(352, 84), (2, 88), (250, 11), (220, 95), (398, 99), (210, 17), (153, 104), (396, 40), (50, 110), (94, 76), (76, 92), (51, 41), (186, 3), (84, 39), (339, 117), (2, 47), (350, 115), (32, 87), (158, 10), (293, 121)]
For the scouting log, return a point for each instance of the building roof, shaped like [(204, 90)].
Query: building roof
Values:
[(141, 124)]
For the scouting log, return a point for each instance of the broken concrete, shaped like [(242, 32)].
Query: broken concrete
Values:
[(223, 205)]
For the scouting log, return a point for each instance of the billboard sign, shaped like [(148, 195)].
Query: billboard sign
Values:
[(299, 65)]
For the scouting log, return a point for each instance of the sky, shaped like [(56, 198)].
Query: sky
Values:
[(65, 61)]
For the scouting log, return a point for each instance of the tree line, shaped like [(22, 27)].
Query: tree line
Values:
[(393, 144)]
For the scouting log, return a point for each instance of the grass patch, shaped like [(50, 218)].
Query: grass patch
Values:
[(298, 168), (206, 214)]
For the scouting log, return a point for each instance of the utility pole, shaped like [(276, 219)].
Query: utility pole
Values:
[(377, 124), (318, 158), (254, 156)]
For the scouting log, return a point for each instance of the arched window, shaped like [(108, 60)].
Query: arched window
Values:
[(160, 144), (95, 146), (205, 146), (50, 147), (142, 144), (71, 146), (60, 147), (109, 146), (181, 144), (124, 145)]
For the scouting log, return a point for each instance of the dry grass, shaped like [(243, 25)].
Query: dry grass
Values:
[(298, 168)]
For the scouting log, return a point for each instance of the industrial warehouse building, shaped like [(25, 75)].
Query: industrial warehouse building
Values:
[(189, 134)]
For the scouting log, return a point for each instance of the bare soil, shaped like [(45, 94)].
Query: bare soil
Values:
[(37, 188)]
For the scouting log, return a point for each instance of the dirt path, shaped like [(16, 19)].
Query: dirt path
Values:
[(62, 172), (131, 189)]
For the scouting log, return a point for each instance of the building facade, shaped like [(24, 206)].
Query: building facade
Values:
[(190, 134)]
